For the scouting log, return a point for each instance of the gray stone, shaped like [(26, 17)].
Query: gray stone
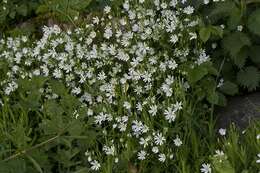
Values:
[(240, 110)]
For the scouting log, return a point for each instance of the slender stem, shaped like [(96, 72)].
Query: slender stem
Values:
[(29, 149)]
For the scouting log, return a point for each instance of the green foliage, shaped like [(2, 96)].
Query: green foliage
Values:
[(15, 11), (206, 32), (229, 88), (249, 77), (254, 22), (64, 10), (237, 53), (222, 165)]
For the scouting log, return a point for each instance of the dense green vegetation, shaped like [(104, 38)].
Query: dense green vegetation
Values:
[(126, 86)]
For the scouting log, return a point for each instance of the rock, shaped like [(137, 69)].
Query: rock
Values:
[(240, 110)]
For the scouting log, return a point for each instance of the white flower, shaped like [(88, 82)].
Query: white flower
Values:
[(162, 157), (206, 168), (214, 45), (153, 110), (127, 105), (108, 33), (138, 128), (76, 90), (101, 76), (155, 149), (219, 153), (203, 57), (222, 131), (221, 82), (170, 114), (188, 10), (177, 106), (101, 117), (107, 9), (109, 150), (95, 165), (206, 1), (159, 139), (141, 155), (177, 142), (240, 28), (258, 155), (174, 38), (116, 160), (173, 3), (258, 136)]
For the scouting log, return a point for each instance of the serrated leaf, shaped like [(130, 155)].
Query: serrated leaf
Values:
[(254, 22), (234, 42), (249, 78), (240, 58), (254, 54), (229, 88)]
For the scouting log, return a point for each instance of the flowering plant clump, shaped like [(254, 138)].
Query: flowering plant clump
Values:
[(117, 89), (128, 70)]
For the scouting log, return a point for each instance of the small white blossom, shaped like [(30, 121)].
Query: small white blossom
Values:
[(159, 139), (177, 142), (153, 110), (170, 114), (222, 131), (240, 28), (258, 136), (162, 157), (206, 168), (258, 160), (155, 149), (141, 155), (107, 9), (95, 165)]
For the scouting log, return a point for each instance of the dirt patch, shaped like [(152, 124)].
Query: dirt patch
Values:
[(240, 110)]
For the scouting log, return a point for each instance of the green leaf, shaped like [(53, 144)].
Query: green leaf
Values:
[(222, 100), (221, 10), (240, 58), (229, 88), (22, 10), (58, 87), (234, 42), (254, 54), (12, 14), (204, 34), (249, 78), (221, 164), (216, 30), (234, 19), (254, 22), (42, 9), (213, 97), (197, 73), (35, 164)]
